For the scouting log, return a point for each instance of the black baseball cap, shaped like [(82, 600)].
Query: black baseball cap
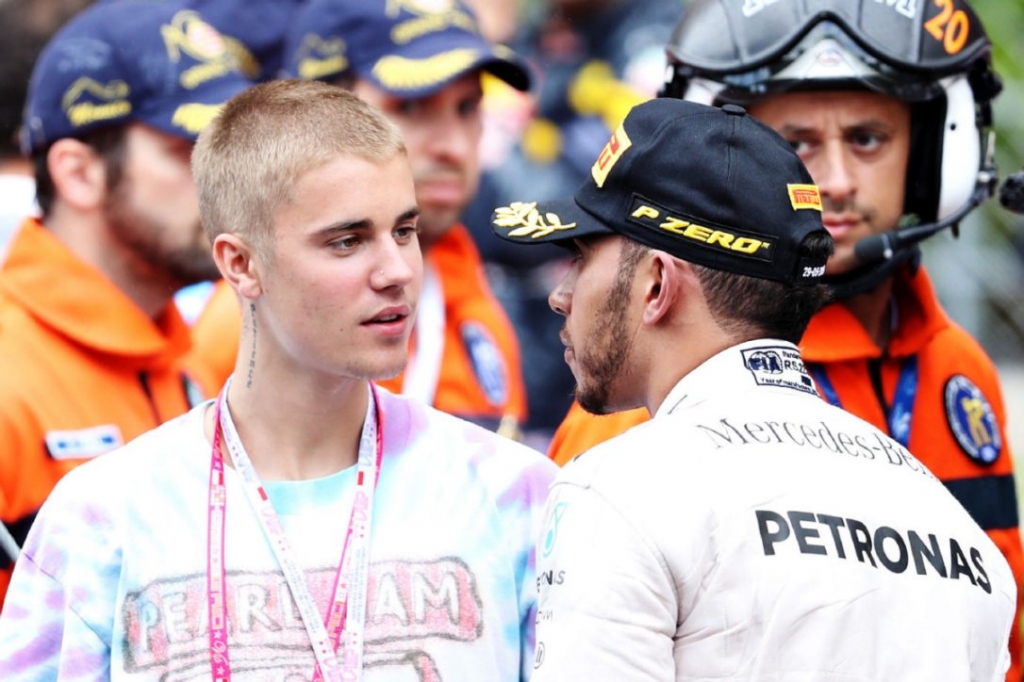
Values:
[(709, 185)]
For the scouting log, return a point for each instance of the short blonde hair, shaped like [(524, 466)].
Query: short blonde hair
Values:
[(247, 161)]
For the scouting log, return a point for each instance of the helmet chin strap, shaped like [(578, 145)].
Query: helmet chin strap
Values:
[(867, 277)]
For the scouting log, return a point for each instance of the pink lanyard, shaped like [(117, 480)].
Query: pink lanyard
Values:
[(343, 626)]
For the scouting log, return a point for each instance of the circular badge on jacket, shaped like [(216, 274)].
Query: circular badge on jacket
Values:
[(488, 364), (972, 420)]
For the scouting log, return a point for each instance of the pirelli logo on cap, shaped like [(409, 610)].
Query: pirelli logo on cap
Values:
[(717, 238), (804, 196), (610, 155)]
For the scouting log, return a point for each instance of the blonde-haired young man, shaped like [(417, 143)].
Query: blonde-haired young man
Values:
[(305, 519)]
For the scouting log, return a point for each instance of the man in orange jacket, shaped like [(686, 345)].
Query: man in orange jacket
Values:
[(886, 104), (94, 351)]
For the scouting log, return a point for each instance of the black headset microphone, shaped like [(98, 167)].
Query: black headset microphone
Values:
[(1011, 194), (882, 247), (879, 248)]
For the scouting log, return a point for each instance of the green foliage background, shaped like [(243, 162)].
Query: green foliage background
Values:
[(1004, 21)]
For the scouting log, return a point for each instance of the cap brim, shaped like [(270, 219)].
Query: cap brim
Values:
[(187, 118), (426, 66), (547, 222)]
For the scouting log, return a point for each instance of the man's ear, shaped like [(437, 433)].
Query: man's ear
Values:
[(78, 173), (238, 265), (669, 281)]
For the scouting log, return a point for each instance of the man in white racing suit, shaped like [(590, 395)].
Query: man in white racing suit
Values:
[(750, 530)]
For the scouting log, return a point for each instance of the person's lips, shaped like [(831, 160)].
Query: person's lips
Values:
[(839, 225), (391, 321)]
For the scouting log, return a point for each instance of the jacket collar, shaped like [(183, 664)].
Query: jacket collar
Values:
[(835, 335), (76, 300)]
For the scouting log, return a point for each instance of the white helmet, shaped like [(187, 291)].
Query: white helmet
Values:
[(934, 55)]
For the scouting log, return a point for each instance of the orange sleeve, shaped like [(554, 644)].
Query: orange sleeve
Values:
[(580, 430)]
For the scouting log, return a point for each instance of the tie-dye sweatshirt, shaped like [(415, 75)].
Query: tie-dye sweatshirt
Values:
[(112, 580)]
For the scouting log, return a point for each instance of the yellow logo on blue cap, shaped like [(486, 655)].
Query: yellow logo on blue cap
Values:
[(192, 118), (113, 101), (321, 57), (189, 35), (399, 73), (432, 16), (247, 61)]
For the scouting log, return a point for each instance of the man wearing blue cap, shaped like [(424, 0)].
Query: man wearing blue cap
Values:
[(421, 63), (749, 530), (95, 352)]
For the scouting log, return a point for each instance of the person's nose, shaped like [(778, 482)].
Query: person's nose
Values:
[(833, 173), (396, 268), (560, 298)]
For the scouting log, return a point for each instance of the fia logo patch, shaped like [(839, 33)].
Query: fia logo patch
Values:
[(972, 420), (778, 366)]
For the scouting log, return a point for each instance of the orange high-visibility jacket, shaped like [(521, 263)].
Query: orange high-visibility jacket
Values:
[(84, 371), (957, 415)]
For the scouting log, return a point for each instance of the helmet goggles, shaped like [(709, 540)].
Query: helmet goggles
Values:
[(900, 47)]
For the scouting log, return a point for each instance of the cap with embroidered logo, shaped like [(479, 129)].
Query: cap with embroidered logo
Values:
[(408, 48), (709, 185), (157, 63)]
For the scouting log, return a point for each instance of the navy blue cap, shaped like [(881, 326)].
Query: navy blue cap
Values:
[(254, 30), (157, 63), (711, 186), (408, 48)]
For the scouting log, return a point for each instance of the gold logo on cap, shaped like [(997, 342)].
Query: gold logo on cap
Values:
[(418, 6), (399, 73), (431, 16), (610, 155), (188, 34), (193, 118), (247, 61), (113, 102), (527, 221), (804, 196), (321, 57)]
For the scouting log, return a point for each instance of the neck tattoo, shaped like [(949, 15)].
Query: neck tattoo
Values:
[(252, 356)]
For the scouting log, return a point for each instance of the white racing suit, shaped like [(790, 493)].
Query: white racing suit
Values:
[(751, 531)]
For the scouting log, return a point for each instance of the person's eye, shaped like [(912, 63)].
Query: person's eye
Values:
[(346, 243), (867, 141), (408, 107), (469, 107), (801, 147), (405, 233)]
